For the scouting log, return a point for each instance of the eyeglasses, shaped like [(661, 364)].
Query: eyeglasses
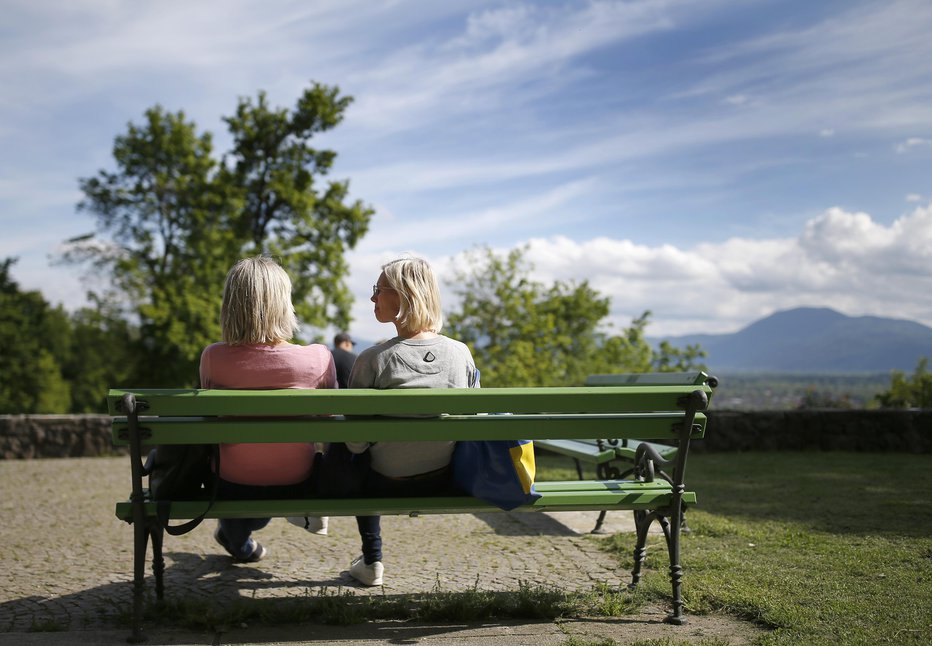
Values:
[(376, 290)]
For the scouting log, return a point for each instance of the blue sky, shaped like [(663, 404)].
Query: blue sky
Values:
[(711, 161)]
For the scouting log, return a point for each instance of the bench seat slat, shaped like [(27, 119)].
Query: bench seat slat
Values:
[(211, 430), (627, 496), (553, 486)]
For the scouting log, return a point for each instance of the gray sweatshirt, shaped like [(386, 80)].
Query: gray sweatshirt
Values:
[(439, 362)]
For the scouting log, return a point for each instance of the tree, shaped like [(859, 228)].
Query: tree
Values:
[(32, 337), (162, 238), (524, 333), (172, 219), (814, 399), (102, 356), (905, 392), (672, 359)]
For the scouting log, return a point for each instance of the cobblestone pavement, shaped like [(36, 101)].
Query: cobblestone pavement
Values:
[(72, 571)]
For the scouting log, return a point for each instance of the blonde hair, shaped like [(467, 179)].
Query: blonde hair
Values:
[(419, 293), (257, 304)]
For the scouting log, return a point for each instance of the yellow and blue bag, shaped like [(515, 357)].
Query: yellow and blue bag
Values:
[(499, 472)]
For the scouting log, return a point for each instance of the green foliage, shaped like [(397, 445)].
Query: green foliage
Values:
[(789, 391), (524, 333), (54, 362), (671, 359), (102, 355), (47, 626), (913, 392), (815, 399), (281, 210), (172, 219), (33, 338), (669, 641)]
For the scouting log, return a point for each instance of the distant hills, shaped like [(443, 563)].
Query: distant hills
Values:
[(816, 340)]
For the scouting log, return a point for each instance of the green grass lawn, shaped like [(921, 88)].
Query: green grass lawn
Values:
[(830, 548)]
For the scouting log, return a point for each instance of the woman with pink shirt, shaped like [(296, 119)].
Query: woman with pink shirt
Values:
[(257, 323)]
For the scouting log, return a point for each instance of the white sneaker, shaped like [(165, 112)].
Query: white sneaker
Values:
[(370, 574), (313, 524)]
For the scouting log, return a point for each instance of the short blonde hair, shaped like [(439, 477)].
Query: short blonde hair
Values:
[(257, 305), (419, 293)]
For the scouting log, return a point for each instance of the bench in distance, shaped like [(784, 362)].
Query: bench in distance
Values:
[(614, 458)]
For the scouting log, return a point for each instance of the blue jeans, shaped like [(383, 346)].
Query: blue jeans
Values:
[(238, 531)]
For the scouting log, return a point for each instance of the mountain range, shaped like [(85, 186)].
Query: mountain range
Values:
[(815, 340)]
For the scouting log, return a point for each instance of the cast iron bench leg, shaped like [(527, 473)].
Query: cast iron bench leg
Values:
[(579, 471), (598, 523), (158, 562), (140, 542), (642, 522), (140, 523), (676, 570)]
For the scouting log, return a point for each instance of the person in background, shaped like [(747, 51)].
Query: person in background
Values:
[(406, 295), (258, 321), (343, 357)]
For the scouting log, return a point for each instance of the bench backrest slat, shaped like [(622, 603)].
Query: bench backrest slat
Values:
[(209, 430), (649, 379), (423, 401)]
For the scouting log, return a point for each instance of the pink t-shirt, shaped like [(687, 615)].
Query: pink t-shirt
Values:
[(265, 367)]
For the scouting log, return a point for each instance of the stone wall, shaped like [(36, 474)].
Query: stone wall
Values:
[(55, 436), (59, 436), (819, 430)]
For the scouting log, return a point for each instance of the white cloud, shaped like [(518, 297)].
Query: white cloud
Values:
[(865, 69), (501, 58), (837, 236), (720, 287), (737, 99), (913, 142)]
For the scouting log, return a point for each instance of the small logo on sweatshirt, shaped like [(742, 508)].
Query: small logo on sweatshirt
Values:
[(429, 357)]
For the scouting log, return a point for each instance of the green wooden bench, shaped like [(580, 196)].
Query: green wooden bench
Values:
[(667, 412), (614, 458)]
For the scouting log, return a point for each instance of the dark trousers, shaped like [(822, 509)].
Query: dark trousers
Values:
[(344, 474), (238, 531)]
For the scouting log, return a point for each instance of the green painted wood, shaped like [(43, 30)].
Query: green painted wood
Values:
[(622, 498), (628, 449), (644, 411), (407, 402), (583, 450), (213, 430), (551, 486), (589, 452), (649, 379)]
